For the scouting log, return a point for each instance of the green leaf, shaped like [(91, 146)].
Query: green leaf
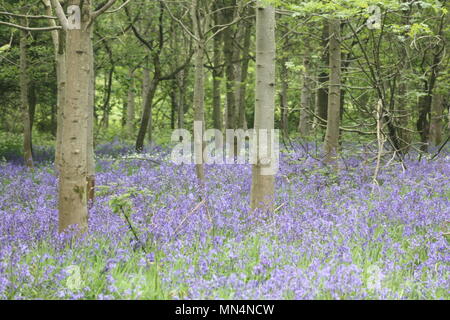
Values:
[(4, 48)]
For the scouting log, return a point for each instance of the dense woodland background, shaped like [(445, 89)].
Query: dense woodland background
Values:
[(145, 53)]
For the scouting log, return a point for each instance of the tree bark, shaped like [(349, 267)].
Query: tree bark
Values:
[(230, 75), (130, 105), (199, 90), (74, 169), (107, 96), (24, 97), (334, 92), (437, 114), (322, 91), (262, 190), (217, 74), (32, 99), (402, 118), (146, 120), (182, 81), (242, 121), (284, 104), (174, 104), (423, 123), (58, 38), (305, 99)]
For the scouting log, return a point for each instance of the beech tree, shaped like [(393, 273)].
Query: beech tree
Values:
[(262, 190), (76, 172), (130, 103), (24, 94), (58, 37), (334, 91), (200, 21)]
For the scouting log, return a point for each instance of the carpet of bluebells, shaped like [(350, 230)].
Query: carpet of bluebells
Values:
[(155, 234)]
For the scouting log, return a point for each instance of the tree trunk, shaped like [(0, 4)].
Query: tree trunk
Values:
[(107, 98), (423, 123), (174, 104), (130, 105), (217, 74), (284, 98), (24, 97), (32, 99), (199, 92), (147, 109), (262, 190), (181, 79), (402, 118), (322, 92), (242, 121), (230, 74), (437, 114), (334, 92), (74, 169), (58, 38), (305, 99)]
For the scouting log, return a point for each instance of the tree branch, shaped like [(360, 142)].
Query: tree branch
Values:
[(29, 29), (25, 16), (103, 9), (60, 14), (120, 7)]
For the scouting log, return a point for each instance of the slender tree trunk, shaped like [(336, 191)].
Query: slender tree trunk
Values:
[(402, 117), (199, 91), (305, 99), (58, 38), (24, 96), (401, 107), (147, 111), (423, 123), (242, 121), (74, 169), (262, 190), (437, 114), (130, 105), (107, 98), (152, 92), (334, 92), (322, 92), (237, 67), (284, 97), (181, 79), (174, 104), (425, 104), (217, 74), (145, 91), (32, 98), (230, 74)]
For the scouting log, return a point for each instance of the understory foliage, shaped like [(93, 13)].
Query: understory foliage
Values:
[(334, 235)]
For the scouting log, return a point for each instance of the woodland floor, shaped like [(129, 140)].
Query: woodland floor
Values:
[(332, 236)]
